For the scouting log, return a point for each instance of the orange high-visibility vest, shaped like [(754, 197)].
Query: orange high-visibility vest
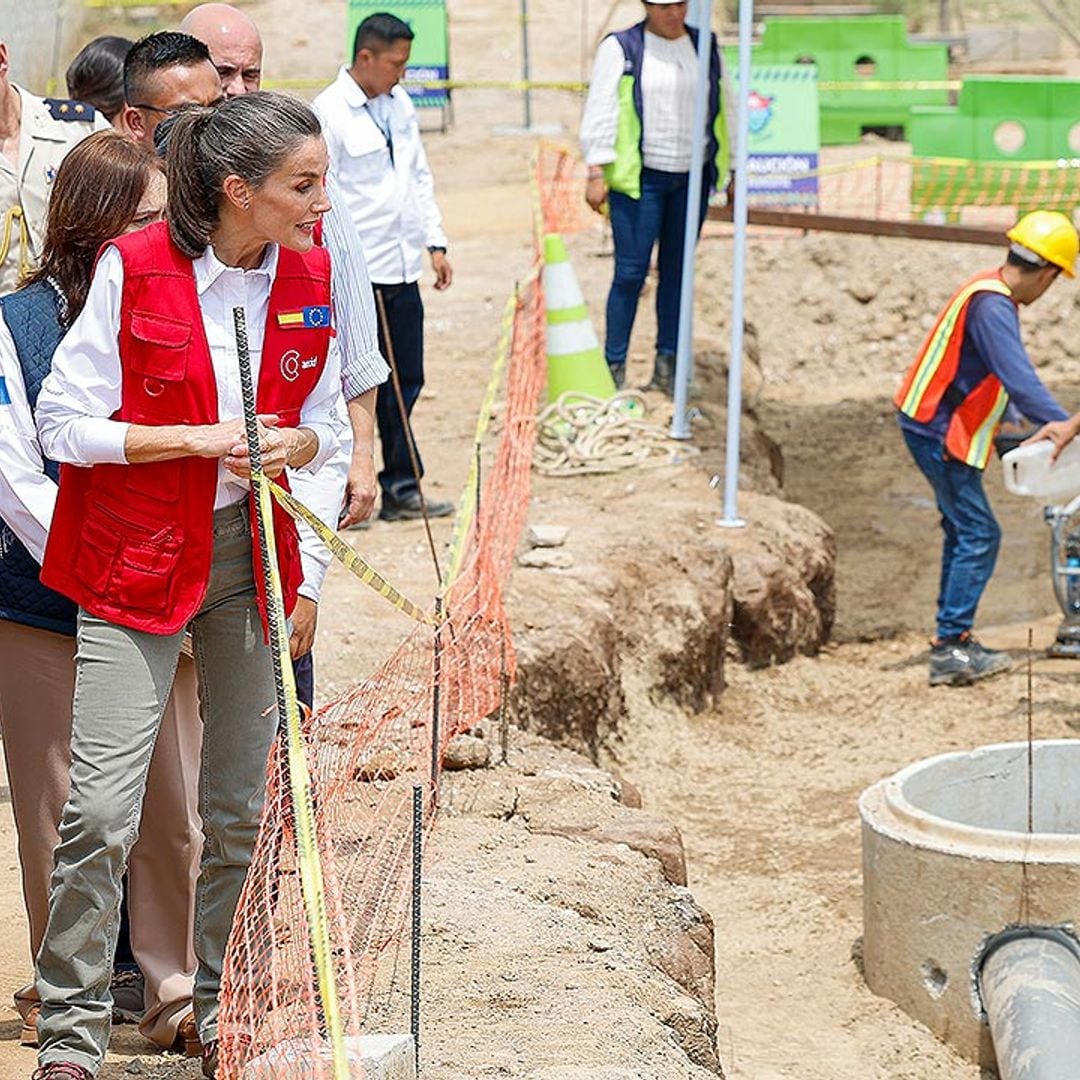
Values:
[(930, 379)]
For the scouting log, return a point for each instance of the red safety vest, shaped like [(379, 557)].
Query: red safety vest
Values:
[(133, 544), (977, 415)]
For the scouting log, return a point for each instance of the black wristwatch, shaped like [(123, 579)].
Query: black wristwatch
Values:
[(432, 250)]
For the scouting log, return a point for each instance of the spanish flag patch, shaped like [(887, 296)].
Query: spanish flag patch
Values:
[(309, 318)]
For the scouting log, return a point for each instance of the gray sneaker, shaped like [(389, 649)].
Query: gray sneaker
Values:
[(128, 989), (961, 661)]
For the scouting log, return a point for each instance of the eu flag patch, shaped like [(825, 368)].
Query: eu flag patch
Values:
[(316, 317), (5, 397)]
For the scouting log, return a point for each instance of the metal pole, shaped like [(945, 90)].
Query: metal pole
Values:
[(417, 850), (684, 356), (731, 517), (525, 66)]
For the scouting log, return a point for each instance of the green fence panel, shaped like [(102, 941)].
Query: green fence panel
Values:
[(858, 49), (429, 60)]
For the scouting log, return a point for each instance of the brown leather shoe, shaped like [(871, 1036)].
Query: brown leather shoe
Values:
[(61, 1070), (209, 1060), (28, 1035), (187, 1036)]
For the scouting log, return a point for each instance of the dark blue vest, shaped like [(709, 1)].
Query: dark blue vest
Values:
[(32, 316), (632, 41)]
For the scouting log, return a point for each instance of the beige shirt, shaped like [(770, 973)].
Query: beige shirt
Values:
[(44, 139)]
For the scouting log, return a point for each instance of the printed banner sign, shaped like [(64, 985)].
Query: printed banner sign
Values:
[(429, 60), (785, 140)]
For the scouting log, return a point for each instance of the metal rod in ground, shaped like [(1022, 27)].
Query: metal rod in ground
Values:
[(738, 273), (436, 704), (406, 425), (526, 66), (417, 856), (504, 702), (684, 352)]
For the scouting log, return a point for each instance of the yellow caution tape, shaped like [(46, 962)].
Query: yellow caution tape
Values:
[(466, 512), (886, 85), (575, 85), (348, 557)]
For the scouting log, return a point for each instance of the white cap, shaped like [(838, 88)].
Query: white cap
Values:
[(661, 3)]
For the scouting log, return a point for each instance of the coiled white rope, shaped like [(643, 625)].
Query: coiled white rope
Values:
[(579, 434)]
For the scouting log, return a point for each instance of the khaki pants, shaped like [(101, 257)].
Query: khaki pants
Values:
[(123, 679), (37, 680)]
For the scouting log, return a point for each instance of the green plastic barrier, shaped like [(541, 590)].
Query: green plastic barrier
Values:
[(1031, 122), (869, 49), (999, 118)]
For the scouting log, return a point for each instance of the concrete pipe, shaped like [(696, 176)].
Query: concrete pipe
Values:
[(1030, 986)]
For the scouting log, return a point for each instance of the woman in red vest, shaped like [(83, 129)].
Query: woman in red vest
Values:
[(152, 534)]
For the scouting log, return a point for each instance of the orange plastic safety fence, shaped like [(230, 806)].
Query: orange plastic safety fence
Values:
[(366, 751)]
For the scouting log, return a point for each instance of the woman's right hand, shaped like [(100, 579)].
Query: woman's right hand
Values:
[(596, 193), (218, 440)]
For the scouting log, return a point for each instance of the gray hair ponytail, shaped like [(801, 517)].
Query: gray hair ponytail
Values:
[(247, 136)]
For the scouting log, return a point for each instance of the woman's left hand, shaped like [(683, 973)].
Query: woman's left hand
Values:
[(275, 446)]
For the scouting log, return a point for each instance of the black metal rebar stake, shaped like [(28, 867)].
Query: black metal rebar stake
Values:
[(436, 704), (251, 431), (417, 856), (504, 702)]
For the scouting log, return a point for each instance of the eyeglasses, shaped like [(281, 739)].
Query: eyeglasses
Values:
[(176, 110)]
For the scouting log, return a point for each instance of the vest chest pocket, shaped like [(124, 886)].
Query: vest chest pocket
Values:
[(156, 393)]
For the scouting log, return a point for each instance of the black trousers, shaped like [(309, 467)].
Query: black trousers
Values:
[(405, 321)]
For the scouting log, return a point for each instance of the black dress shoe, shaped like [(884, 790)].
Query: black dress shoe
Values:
[(409, 508)]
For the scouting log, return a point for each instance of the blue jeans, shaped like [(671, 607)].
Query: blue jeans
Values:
[(972, 534), (637, 225)]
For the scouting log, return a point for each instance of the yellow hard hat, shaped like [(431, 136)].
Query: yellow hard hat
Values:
[(1050, 235)]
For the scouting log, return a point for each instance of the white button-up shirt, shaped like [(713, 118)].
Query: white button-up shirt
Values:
[(362, 365), (83, 390), (380, 168), (27, 495), (668, 89)]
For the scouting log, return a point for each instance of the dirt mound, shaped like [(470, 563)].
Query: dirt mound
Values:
[(655, 593)]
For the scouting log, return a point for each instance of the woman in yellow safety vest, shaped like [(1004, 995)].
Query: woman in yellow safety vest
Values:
[(951, 404), (637, 135)]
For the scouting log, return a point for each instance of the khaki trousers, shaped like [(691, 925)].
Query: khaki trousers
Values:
[(37, 680), (122, 683)]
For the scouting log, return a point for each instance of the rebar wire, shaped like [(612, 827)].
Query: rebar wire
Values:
[(410, 441), (1024, 916)]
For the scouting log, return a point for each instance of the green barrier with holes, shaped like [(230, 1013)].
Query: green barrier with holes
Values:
[(997, 120), (872, 49)]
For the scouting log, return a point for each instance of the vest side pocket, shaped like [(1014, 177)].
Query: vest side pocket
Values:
[(148, 568), (96, 560)]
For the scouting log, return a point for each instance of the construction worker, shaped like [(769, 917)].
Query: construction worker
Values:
[(970, 370)]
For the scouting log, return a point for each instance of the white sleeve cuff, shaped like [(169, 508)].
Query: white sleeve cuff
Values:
[(328, 445), (102, 440)]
